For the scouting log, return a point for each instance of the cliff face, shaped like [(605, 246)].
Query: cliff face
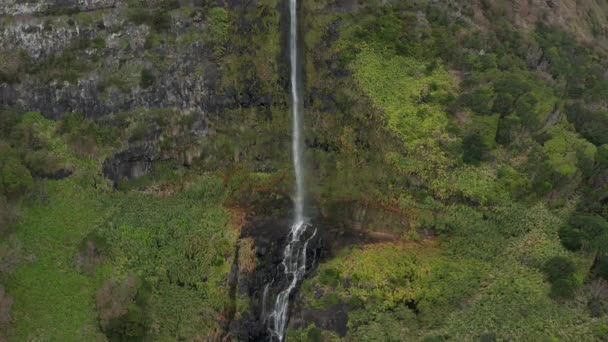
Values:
[(107, 58), (587, 20), (19, 7), (104, 60)]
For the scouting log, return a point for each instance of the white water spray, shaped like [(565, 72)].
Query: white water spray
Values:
[(294, 255)]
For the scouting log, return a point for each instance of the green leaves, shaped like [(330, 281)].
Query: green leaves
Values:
[(560, 272), (15, 178)]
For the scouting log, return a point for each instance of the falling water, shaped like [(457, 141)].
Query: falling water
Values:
[(294, 255)]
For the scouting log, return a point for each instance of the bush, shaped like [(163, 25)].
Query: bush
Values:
[(602, 267), (571, 238), (314, 334), (602, 156), (7, 215), (91, 252), (139, 16), (473, 148), (121, 309), (509, 129), (147, 78), (15, 179), (595, 230), (560, 272), (503, 104), (564, 288), (43, 163), (329, 277), (480, 101), (161, 20)]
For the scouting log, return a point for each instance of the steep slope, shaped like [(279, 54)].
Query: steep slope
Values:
[(457, 160)]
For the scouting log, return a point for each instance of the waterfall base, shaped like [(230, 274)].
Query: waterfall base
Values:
[(258, 276), (273, 277)]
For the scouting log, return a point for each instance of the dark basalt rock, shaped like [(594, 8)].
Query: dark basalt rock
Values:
[(132, 163), (333, 318), (270, 238)]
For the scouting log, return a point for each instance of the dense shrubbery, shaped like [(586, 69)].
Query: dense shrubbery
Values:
[(560, 272), (457, 138), (121, 307), (15, 178)]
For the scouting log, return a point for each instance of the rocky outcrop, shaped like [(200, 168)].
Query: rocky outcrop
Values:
[(131, 163), (267, 279), (108, 78), (21, 7), (97, 57)]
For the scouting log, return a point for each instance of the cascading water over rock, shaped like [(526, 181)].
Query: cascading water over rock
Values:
[(294, 255)]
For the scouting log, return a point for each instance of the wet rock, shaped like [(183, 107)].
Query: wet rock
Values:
[(270, 238)]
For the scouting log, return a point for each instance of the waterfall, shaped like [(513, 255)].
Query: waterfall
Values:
[(294, 255)]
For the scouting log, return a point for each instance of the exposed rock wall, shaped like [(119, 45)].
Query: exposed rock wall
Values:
[(21, 7)]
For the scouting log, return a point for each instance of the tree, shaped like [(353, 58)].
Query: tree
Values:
[(480, 101), (595, 230), (571, 238), (509, 128), (15, 179), (503, 104), (560, 272), (473, 148), (121, 309)]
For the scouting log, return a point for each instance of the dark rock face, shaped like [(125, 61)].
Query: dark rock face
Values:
[(270, 240), (132, 163), (333, 318), (20, 7)]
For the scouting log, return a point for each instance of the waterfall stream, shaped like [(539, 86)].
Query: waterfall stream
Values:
[(294, 255)]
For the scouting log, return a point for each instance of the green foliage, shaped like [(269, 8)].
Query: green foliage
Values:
[(592, 228), (396, 84), (560, 272), (503, 104), (159, 19), (147, 78), (571, 238), (568, 153), (219, 28), (593, 125), (65, 66), (480, 101), (329, 277), (15, 179), (473, 148), (134, 231), (314, 335)]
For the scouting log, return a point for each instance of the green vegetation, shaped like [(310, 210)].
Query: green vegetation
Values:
[(478, 150), (492, 169)]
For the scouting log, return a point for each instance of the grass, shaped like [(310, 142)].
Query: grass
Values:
[(54, 301), (398, 85)]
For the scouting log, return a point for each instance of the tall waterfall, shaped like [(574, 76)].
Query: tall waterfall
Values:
[(294, 255)]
